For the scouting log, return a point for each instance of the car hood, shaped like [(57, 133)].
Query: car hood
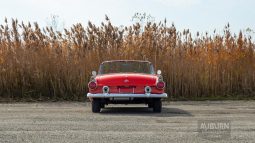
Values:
[(127, 79)]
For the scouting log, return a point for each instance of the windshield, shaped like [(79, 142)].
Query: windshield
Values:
[(126, 67)]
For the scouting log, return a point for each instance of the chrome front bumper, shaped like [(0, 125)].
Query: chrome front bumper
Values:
[(106, 95)]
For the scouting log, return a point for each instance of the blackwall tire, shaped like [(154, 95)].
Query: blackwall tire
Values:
[(96, 106), (157, 106)]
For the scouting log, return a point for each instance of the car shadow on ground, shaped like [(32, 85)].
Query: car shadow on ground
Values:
[(144, 111)]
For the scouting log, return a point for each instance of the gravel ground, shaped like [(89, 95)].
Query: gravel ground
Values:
[(74, 122)]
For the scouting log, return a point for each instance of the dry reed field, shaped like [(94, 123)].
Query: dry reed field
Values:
[(41, 64)]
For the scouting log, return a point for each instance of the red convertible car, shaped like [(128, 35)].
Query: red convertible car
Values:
[(126, 82)]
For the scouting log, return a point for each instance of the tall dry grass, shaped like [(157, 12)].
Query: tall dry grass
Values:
[(40, 64)]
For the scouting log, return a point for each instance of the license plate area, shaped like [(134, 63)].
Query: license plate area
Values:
[(126, 90)]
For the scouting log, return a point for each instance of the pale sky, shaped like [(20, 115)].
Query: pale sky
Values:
[(197, 15)]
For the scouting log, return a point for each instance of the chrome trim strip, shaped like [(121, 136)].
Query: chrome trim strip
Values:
[(109, 95)]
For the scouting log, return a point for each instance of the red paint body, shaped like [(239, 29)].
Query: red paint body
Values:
[(126, 83)]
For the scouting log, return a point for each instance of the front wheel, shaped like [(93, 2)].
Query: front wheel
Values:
[(96, 106), (157, 106)]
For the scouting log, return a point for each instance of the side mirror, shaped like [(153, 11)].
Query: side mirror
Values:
[(94, 73), (159, 72)]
